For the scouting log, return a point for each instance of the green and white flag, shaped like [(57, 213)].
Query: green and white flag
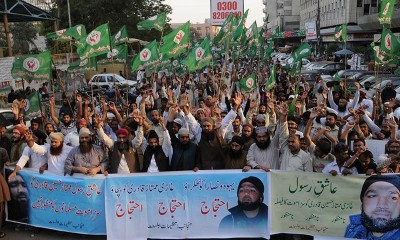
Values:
[(390, 45), (238, 33), (156, 22), (177, 41), (248, 83), (295, 68), (97, 42), (266, 51), (302, 52), (200, 56), (82, 66), (382, 58), (224, 32), (76, 32), (32, 108), (270, 84), (147, 57), (341, 33), (292, 106), (120, 37), (33, 67), (252, 35), (119, 54), (386, 11)]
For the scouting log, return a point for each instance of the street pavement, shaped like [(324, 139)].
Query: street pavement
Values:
[(42, 234)]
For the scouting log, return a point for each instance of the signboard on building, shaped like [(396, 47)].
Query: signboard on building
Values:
[(220, 9), (311, 30)]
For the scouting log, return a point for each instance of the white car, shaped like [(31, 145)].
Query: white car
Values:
[(109, 80)]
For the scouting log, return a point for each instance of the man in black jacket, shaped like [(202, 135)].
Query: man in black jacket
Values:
[(186, 155)]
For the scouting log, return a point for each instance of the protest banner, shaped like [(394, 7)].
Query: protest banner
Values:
[(70, 204)]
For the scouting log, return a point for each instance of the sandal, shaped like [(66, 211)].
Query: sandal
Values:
[(2, 234)]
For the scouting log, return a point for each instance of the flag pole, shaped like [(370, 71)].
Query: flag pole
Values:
[(159, 60), (62, 86)]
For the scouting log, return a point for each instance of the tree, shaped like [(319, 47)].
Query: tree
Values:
[(23, 36), (117, 13)]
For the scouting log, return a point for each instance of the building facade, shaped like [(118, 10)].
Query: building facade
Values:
[(200, 30), (283, 13)]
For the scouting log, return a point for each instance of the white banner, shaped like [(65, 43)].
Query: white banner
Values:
[(220, 9), (311, 30)]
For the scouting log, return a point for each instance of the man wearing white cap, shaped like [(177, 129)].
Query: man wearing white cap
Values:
[(86, 158), (56, 153)]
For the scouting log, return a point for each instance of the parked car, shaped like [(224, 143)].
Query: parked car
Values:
[(7, 118), (109, 80)]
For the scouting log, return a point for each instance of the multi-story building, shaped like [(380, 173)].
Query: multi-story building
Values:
[(283, 13), (325, 15)]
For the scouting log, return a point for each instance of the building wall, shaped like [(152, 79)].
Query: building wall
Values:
[(202, 29), (283, 13)]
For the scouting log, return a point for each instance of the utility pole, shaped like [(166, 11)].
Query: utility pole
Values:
[(319, 38)]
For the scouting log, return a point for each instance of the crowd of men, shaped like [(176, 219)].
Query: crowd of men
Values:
[(204, 121)]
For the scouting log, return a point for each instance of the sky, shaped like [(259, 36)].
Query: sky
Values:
[(198, 10)]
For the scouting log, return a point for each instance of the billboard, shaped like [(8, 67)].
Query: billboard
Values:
[(220, 9), (311, 30)]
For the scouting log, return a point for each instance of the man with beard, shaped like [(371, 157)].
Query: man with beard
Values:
[(155, 155), (292, 157), (35, 160), (18, 207), (55, 154), (388, 92), (235, 156), (18, 144), (264, 153), (186, 155), (342, 108), (123, 155), (380, 210), (232, 125), (154, 122), (72, 138), (67, 124), (247, 135), (339, 167), (48, 128), (86, 158), (250, 216), (370, 92)]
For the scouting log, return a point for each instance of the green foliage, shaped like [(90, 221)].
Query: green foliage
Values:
[(117, 13), (331, 49), (23, 36)]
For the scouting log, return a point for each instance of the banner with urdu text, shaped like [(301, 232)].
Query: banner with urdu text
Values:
[(313, 204), (176, 205), (70, 204)]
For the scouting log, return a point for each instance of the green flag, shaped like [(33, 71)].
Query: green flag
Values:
[(119, 54), (251, 35), (292, 105), (302, 52), (397, 71), (120, 37), (82, 66), (266, 51), (386, 11), (147, 57), (270, 84), (248, 83), (177, 41), (341, 33), (75, 32), (238, 33), (224, 32), (97, 42), (156, 22), (200, 56), (33, 67), (32, 106), (389, 43), (295, 68)]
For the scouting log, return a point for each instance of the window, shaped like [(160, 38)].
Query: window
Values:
[(366, 9), (359, 3), (374, 3), (110, 79)]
